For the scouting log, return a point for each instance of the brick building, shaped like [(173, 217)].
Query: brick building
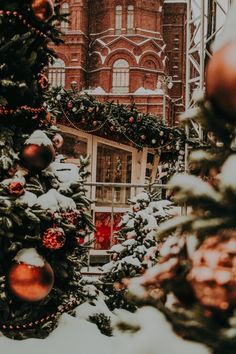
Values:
[(125, 51)]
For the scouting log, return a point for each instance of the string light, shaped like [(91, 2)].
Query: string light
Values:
[(24, 22), (36, 323)]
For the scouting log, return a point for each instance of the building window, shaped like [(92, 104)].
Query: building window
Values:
[(56, 73), (130, 19), (120, 76), (64, 11), (118, 19), (114, 165)]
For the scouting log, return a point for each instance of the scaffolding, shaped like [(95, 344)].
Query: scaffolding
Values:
[(205, 19)]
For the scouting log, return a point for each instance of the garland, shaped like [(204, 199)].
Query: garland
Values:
[(114, 121)]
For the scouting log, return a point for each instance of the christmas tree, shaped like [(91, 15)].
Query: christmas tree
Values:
[(137, 248), (42, 200), (197, 267)]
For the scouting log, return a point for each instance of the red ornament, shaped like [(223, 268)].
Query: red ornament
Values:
[(16, 188), (221, 79), (136, 207), (58, 141), (131, 120), (30, 282), (70, 105), (70, 217), (37, 157), (43, 81), (54, 238), (43, 9), (143, 137), (95, 123)]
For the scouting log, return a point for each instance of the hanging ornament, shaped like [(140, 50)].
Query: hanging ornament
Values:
[(213, 272), (154, 141), (38, 151), (54, 238), (43, 81), (112, 128), (221, 79), (143, 137), (161, 133), (136, 207), (30, 277), (43, 9), (58, 141), (131, 120), (16, 188), (70, 105), (70, 217), (90, 109), (94, 123)]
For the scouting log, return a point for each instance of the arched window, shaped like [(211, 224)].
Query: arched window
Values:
[(64, 11), (56, 73), (130, 19), (120, 76), (118, 19)]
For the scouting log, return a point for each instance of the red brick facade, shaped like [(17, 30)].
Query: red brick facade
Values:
[(153, 47)]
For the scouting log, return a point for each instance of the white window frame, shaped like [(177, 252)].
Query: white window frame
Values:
[(120, 76), (65, 8), (118, 19), (130, 19), (56, 73)]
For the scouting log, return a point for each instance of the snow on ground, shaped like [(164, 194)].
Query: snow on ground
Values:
[(154, 337), (77, 336)]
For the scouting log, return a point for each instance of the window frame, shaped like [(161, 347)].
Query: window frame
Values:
[(118, 19), (120, 76)]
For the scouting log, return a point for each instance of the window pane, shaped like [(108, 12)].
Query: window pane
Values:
[(73, 147), (118, 19), (113, 166), (120, 78), (56, 73), (130, 19), (105, 228), (64, 10)]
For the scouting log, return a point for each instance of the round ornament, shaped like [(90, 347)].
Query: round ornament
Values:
[(37, 157), (54, 238), (30, 277), (43, 9), (16, 188), (143, 137), (70, 105), (131, 120), (221, 80), (58, 141)]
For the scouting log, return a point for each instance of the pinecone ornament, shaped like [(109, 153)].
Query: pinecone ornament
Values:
[(54, 238), (70, 217), (213, 274), (171, 270)]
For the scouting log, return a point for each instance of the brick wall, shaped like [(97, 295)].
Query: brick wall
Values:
[(155, 48)]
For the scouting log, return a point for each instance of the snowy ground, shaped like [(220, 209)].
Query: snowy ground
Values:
[(77, 336)]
